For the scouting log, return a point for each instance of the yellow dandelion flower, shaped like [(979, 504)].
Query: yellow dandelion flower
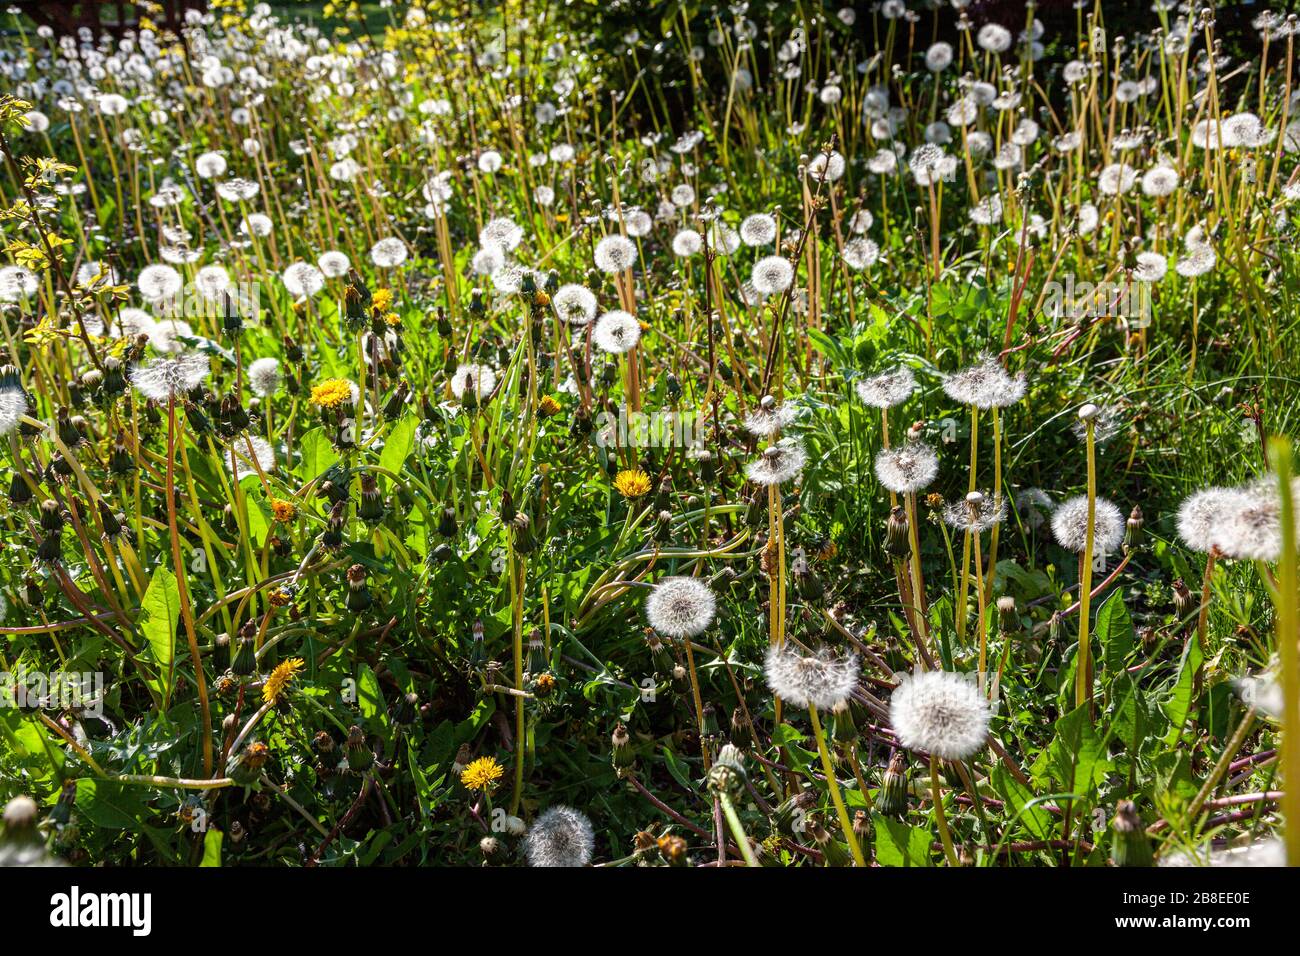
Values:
[(481, 774), (284, 511), (331, 393), (548, 406), (382, 301), (392, 319), (632, 483), (284, 673)]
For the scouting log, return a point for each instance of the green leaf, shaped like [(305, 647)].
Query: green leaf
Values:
[(211, 848), (1075, 757), (1020, 798), (160, 607), (317, 453), (897, 844), (1115, 632), (1179, 702), (370, 700), (110, 805), (398, 445)]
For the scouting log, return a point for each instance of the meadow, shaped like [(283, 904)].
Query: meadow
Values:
[(532, 434)]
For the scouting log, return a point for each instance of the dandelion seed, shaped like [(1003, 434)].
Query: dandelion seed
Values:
[(162, 379), (159, 282), (985, 385), (687, 242), (860, 253), (940, 713), (906, 469), (333, 264), (772, 274), (758, 230), (680, 607), (303, 280), (888, 388), (575, 304), (388, 253)]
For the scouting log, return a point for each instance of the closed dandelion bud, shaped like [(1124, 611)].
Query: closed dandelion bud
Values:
[(673, 387), (356, 300), (326, 750), (897, 542), (120, 462), (621, 748), (243, 658), (806, 582), (790, 818), (833, 852), (19, 491), (199, 422), (727, 774), (33, 594), (709, 722), (371, 508), (507, 507), (22, 844), (536, 651), (359, 597), (407, 709), (477, 307), (658, 652), (67, 429), (843, 729), (51, 516), (1008, 617), (892, 798), (1186, 604), (1130, 845), (1133, 528), (360, 757), (114, 380), (663, 530), (246, 766), (608, 373), (708, 466), (443, 323), (664, 494), (477, 654), (397, 401), (740, 735), (862, 827)]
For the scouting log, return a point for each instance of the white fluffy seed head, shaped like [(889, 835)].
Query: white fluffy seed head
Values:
[(13, 406), (887, 389), (562, 836), (908, 468), (1252, 529), (978, 512), (474, 380), (985, 385), (1202, 515), (164, 378), (941, 713), (575, 304), (777, 463), (767, 421), (772, 274), (823, 680), (615, 253), (1070, 525), (616, 332), (758, 230), (264, 376), (681, 607)]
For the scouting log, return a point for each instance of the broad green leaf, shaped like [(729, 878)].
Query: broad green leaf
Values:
[(897, 844), (370, 700), (1115, 632), (317, 453), (1075, 757), (1179, 702), (398, 445), (160, 608), (110, 805)]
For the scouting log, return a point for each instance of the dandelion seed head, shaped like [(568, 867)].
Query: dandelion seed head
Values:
[(1070, 525), (616, 332), (758, 230), (823, 680), (615, 253), (940, 713), (888, 388), (680, 607), (562, 836), (905, 469), (264, 376), (475, 380), (777, 463), (985, 385), (772, 274), (13, 406), (388, 253), (575, 304), (161, 379)]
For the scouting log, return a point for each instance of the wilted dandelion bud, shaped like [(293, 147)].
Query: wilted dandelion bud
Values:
[(740, 735), (120, 461), (833, 852), (371, 509), (843, 728), (1130, 845), (892, 799), (51, 516), (806, 582), (1008, 617), (663, 529), (1186, 604), (1133, 528), (621, 748), (246, 766), (359, 597), (897, 542), (673, 849), (491, 849), (19, 491), (790, 818), (562, 836), (22, 844)]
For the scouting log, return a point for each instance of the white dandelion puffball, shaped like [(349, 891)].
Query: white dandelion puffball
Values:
[(13, 406), (940, 713), (489, 161), (1252, 527), (264, 376), (777, 463), (772, 274), (562, 836), (616, 332), (210, 165), (303, 280), (502, 231), (158, 282), (985, 385), (860, 253), (823, 680), (758, 230), (826, 167), (1160, 181), (388, 253), (575, 304), (615, 253), (768, 419), (260, 458), (686, 243), (165, 378), (17, 283), (1070, 525), (994, 38), (938, 57), (489, 259), (906, 469), (1203, 514), (1150, 267), (1116, 179), (887, 389), (680, 607), (333, 264), (473, 380)]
